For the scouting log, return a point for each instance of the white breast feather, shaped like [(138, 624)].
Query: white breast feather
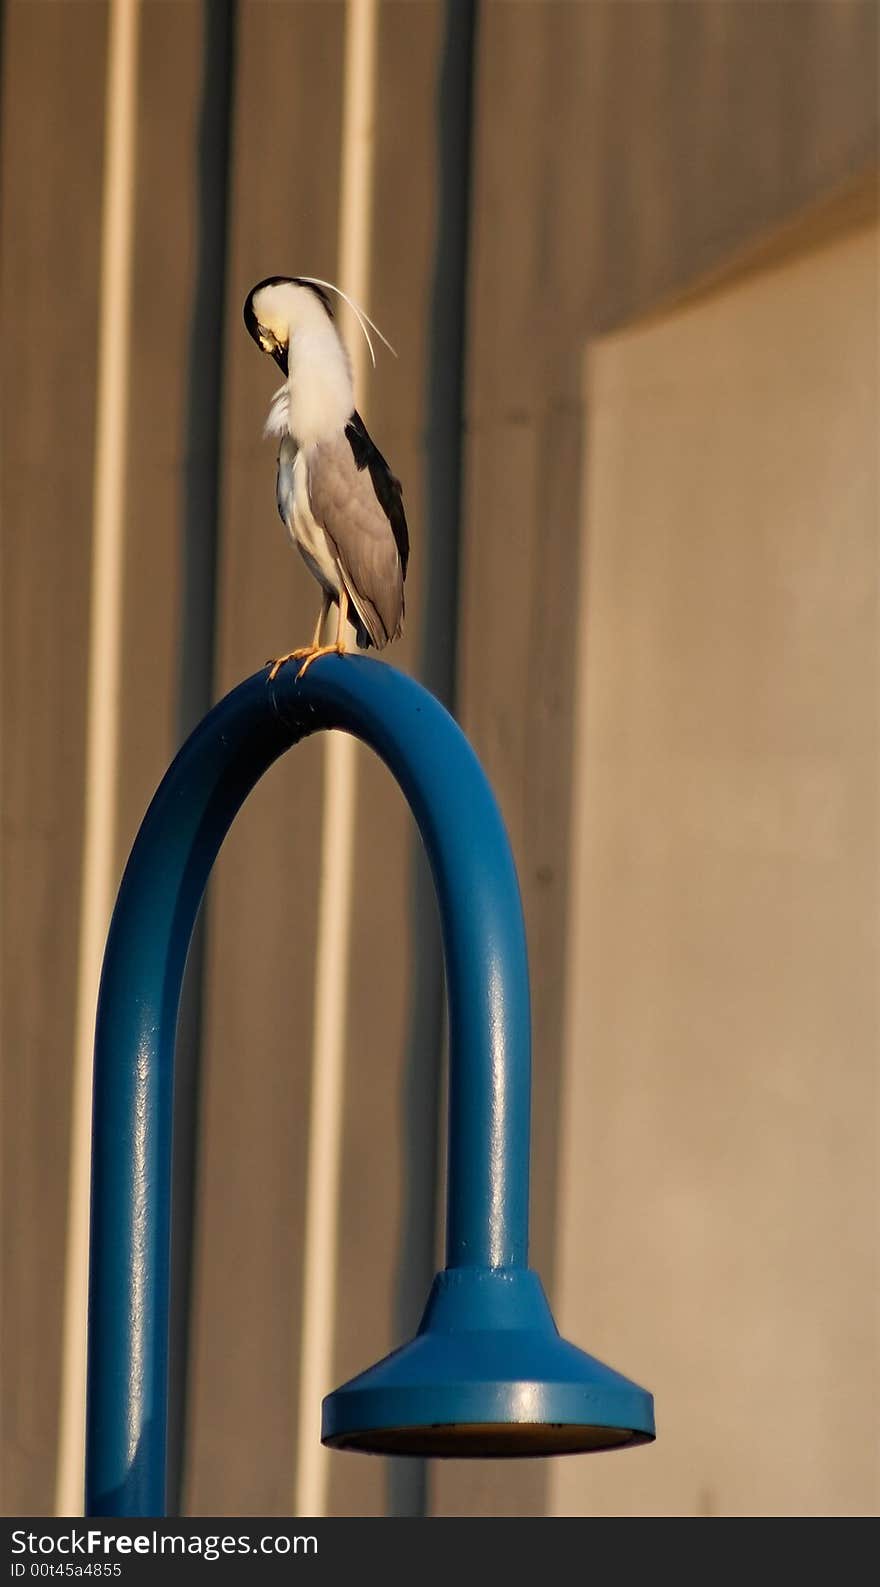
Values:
[(317, 400), (320, 384), (279, 412), (305, 532)]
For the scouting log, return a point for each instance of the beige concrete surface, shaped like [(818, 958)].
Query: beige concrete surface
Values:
[(718, 1183)]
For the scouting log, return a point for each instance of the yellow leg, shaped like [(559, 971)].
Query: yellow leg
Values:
[(309, 653), (331, 650), (319, 626), (304, 650)]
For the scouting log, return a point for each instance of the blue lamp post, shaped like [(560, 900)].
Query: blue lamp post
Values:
[(487, 1373)]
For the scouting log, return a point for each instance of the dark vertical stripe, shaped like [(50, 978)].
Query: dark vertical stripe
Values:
[(201, 487), (447, 342)]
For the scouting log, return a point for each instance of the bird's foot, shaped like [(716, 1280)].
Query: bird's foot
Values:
[(306, 654), (277, 662), (313, 654)]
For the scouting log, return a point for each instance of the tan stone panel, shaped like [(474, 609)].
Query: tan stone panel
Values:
[(373, 1184), (52, 148), (622, 151), (601, 185), (261, 935), (718, 1187), (169, 91)]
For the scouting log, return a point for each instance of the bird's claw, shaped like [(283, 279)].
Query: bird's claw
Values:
[(312, 655), (307, 654), (277, 662)]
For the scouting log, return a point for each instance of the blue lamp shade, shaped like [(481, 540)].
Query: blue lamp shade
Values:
[(487, 1375)]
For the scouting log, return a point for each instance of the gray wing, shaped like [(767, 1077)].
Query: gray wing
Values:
[(344, 502)]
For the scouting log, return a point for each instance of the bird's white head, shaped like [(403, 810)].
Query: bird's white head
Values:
[(283, 307), (279, 306), (292, 321)]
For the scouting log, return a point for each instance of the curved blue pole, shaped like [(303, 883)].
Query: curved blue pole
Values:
[(489, 1022)]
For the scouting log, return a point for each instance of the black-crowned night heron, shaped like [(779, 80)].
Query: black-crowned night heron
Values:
[(336, 495)]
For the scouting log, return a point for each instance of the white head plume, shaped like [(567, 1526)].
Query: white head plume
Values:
[(362, 317)]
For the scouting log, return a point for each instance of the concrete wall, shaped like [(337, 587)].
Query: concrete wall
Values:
[(718, 1230), (623, 153)]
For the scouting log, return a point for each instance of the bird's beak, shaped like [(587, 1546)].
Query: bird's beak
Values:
[(269, 344)]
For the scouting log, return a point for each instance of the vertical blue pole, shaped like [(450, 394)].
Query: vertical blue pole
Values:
[(489, 1025)]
